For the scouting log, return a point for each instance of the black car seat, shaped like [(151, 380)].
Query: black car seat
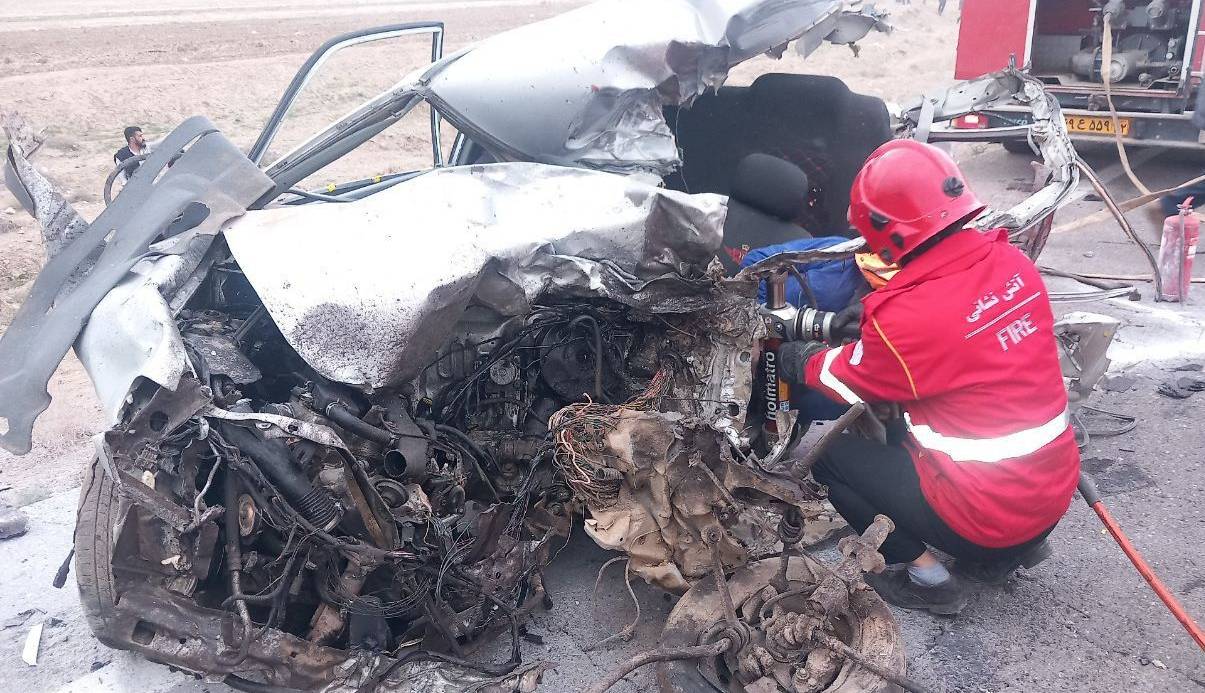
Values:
[(812, 121), (766, 195)]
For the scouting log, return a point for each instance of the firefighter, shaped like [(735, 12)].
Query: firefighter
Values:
[(983, 461)]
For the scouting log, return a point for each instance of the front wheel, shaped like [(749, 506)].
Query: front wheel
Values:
[(94, 531)]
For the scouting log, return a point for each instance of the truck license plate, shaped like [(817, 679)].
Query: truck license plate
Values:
[(1096, 125)]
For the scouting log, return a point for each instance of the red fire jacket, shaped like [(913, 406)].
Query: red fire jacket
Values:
[(962, 338)]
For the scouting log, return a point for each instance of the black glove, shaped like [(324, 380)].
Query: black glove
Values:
[(847, 324), (793, 358)]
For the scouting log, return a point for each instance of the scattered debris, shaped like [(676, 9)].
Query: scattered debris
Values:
[(1189, 367), (1182, 388), (20, 618), (33, 643), (13, 522)]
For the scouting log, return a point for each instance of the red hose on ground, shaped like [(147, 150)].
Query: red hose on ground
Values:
[(1092, 497)]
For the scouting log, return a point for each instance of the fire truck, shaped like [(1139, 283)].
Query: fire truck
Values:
[(1154, 68)]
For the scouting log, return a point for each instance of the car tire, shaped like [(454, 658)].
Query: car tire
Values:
[(1017, 147), (99, 509)]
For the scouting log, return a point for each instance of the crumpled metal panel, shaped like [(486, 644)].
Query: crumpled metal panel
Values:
[(59, 221), (1049, 130), (210, 172), (586, 88), (366, 292), (130, 335), (422, 676)]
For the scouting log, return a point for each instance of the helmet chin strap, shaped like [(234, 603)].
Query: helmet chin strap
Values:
[(940, 236)]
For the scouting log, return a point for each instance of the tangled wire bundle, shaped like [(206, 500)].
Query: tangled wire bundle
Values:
[(579, 435)]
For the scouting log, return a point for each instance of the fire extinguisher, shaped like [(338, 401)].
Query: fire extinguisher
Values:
[(1177, 248)]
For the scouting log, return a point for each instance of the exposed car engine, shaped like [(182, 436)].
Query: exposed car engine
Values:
[(425, 513)]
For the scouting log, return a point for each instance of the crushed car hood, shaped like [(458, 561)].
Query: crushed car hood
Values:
[(366, 292)]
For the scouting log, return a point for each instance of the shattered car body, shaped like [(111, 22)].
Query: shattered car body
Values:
[(348, 435)]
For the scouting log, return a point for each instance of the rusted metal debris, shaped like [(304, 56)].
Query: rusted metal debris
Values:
[(821, 626)]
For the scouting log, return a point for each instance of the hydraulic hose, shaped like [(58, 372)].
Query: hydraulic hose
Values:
[(276, 462), (346, 419), (1092, 497)]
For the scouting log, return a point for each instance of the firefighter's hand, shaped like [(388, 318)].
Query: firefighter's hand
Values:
[(793, 358), (847, 324)]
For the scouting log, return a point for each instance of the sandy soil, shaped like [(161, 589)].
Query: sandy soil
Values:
[(82, 79)]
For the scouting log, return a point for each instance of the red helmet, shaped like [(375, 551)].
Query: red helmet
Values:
[(905, 194)]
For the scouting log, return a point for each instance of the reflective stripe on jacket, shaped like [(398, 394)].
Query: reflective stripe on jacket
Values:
[(962, 338)]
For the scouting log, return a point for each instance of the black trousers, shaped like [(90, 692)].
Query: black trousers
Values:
[(866, 478)]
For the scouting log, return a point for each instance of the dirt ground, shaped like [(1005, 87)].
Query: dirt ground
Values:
[(1083, 622)]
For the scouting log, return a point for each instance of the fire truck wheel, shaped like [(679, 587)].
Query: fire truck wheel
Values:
[(1017, 147)]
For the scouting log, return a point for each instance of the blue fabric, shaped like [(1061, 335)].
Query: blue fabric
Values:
[(834, 282), (815, 406)]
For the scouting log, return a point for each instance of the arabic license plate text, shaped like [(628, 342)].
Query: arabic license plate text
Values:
[(1096, 125)]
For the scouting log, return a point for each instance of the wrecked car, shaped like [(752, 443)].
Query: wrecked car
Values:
[(350, 427)]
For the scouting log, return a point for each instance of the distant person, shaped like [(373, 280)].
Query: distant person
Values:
[(135, 146)]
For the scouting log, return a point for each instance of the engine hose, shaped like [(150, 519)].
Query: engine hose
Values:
[(1092, 497), (1106, 69), (343, 416), (1119, 215), (275, 460)]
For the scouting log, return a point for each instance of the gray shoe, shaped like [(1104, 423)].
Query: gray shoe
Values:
[(895, 587), (998, 572)]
